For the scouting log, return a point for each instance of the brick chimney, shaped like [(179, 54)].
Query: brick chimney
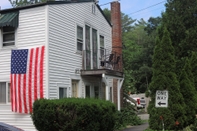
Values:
[(116, 27), (117, 45)]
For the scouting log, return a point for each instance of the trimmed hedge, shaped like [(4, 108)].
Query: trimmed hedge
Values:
[(73, 114)]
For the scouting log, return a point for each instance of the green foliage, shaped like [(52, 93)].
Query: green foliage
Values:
[(152, 24), (164, 78), (180, 19), (189, 93), (127, 116), (193, 62), (126, 21), (137, 58), (73, 114), (17, 3)]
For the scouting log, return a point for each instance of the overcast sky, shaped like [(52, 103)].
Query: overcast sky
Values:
[(128, 7)]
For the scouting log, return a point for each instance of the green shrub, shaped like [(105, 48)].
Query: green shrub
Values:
[(127, 116), (73, 114)]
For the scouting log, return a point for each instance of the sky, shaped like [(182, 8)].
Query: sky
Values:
[(129, 7)]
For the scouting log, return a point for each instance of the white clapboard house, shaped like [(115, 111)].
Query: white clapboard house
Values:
[(54, 50)]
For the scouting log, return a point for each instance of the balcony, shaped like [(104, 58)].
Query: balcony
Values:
[(101, 61)]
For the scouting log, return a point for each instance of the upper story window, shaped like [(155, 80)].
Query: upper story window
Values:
[(102, 45), (93, 9), (79, 38), (8, 35), (8, 24)]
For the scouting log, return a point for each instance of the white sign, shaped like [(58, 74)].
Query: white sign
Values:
[(161, 99)]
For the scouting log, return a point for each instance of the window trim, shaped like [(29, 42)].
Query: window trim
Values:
[(88, 85), (93, 9), (59, 91), (1, 38), (6, 103), (101, 47), (82, 41)]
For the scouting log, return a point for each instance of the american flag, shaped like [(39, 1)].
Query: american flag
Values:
[(26, 78)]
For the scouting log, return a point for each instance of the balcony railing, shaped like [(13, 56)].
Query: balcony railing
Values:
[(102, 59)]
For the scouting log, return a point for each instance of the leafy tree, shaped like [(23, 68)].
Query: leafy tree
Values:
[(126, 21), (164, 78), (107, 13), (137, 56), (188, 91), (152, 24), (16, 3)]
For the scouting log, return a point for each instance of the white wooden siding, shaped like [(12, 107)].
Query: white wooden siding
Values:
[(63, 59), (30, 33)]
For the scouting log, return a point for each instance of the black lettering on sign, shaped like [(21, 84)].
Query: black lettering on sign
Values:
[(162, 93), (161, 97)]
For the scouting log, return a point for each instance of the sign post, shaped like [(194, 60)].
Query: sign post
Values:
[(161, 99)]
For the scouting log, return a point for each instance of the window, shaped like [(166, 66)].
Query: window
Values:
[(96, 91), (79, 38), (93, 9), (8, 35), (87, 46), (94, 47), (4, 92), (103, 91), (62, 92), (87, 91), (110, 93), (102, 47)]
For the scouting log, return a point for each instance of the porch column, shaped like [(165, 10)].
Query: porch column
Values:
[(107, 92), (120, 82), (118, 94), (104, 79)]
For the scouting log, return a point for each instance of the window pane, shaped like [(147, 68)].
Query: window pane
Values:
[(9, 98), (96, 92), (79, 38), (79, 46), (79, 32), (8, 29), (102, 41), (110, 94), (87, 91), (8, 44), (87, 45), (103, 91), (62, 92), (102, 50), (8, 37), (94, 46), (2, 92)]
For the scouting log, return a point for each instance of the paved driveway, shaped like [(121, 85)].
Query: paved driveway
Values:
[(137, 128)]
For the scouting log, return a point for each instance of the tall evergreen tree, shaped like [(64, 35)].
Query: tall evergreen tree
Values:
[(164, 78), (180, 19), (193, 62), (188, 91)]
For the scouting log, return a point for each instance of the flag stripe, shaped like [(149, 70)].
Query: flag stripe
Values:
[(19, 92), (11, 91), (35, 75), (41, 72), (15, 93), (30, 80), (24, 94)]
